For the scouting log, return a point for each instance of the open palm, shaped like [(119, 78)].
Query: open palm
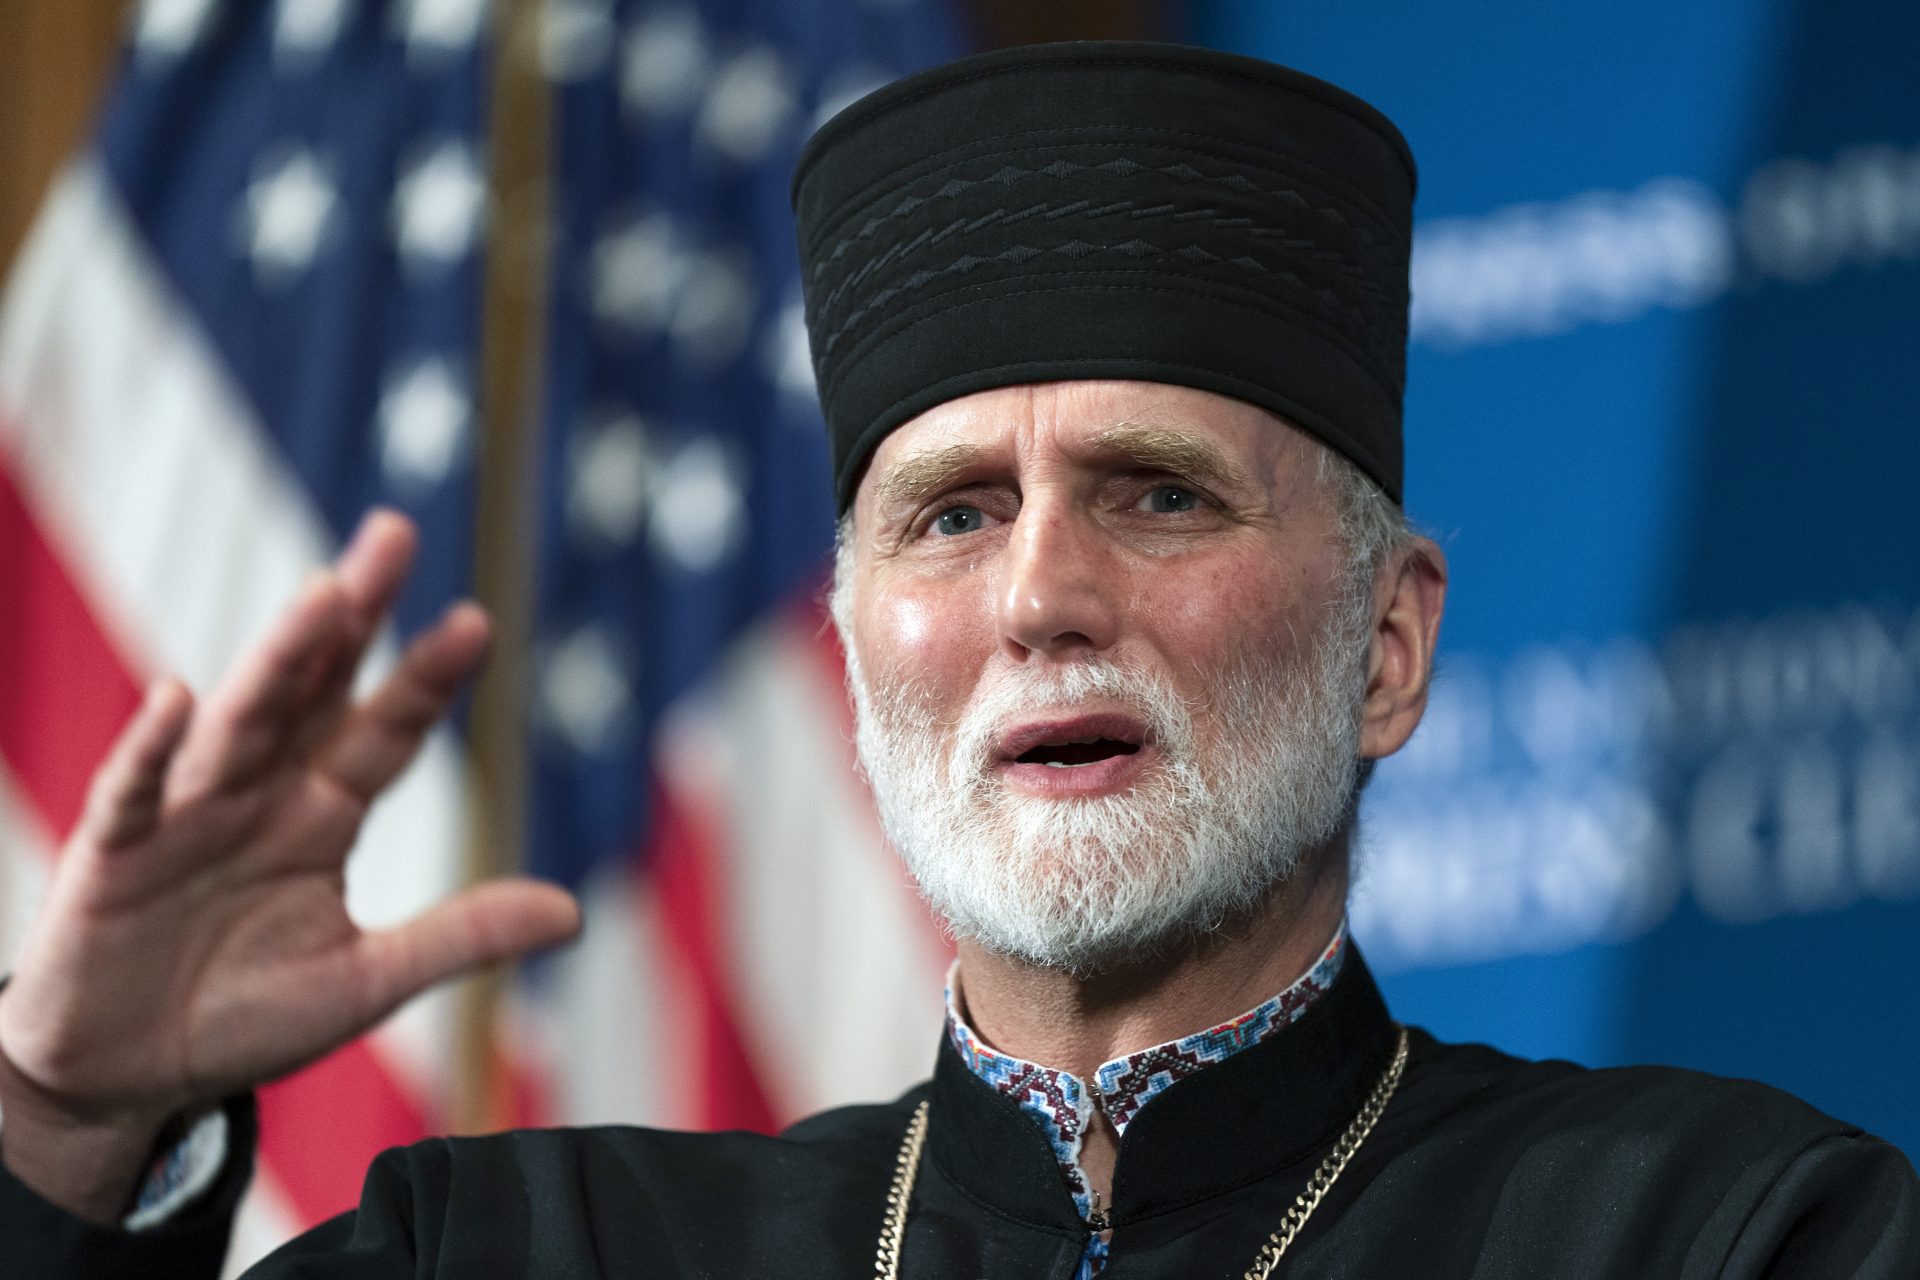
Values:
[(195, 939)]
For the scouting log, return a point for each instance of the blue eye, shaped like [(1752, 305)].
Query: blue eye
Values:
[(959, 520), (1168, 498)]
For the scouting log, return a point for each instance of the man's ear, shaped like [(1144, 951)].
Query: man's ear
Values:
[(1408, 597)]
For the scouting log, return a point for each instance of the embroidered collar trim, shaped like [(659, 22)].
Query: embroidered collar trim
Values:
[(1062, 1104)]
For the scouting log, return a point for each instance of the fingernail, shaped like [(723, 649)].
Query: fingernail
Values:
[(158, 692)]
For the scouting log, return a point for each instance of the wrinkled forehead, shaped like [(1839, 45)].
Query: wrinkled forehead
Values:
[(1022, 433)]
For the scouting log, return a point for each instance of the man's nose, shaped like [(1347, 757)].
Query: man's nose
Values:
[(1058, 590)]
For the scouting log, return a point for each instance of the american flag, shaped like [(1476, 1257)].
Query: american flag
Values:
[(250, 310), (752, 952)]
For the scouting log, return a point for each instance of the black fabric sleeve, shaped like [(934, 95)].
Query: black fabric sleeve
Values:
[(375, 1241), (1846, 1208), (379, 1240), (41, 1241), (444, 1207)]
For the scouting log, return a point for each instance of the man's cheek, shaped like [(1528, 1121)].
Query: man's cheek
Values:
[(1224, 612), (917, 641)]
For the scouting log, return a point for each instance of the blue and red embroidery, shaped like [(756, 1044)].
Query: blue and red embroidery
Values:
[(1063, 1105)]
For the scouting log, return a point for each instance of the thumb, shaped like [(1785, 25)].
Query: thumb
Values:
[(487, 923)]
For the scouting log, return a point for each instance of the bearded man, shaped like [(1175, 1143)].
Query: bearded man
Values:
[(1110, 341)]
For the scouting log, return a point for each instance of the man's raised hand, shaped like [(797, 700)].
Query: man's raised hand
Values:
[(195, 939)]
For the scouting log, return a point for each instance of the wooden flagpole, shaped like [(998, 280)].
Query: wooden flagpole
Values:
[(55, 60), (512, 363)]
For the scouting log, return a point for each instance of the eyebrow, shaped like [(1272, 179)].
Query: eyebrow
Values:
[(1149, 446), (918, 475), (1156, 447)]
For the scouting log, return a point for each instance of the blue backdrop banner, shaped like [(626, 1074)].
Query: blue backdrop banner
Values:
[(1661, 415)]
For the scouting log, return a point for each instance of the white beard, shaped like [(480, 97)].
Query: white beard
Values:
[(1086, 884)]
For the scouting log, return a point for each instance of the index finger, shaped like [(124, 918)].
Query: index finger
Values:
[(258, 706), (371, 569), (376, 562)]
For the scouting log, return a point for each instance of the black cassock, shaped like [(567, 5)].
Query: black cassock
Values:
[(1483, 1166)]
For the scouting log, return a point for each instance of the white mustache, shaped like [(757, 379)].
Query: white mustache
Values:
[(1089, 683)]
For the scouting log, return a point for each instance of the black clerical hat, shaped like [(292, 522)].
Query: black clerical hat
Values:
[(1109, 210)]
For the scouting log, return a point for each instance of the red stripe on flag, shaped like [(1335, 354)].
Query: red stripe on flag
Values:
[(520, 1097), (681, 858), (64, 693), (321, 1127)]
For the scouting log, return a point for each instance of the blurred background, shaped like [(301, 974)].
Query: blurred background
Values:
[(524, 270)]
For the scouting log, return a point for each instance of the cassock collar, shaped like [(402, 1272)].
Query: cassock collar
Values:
[(1257, 1112), (1063, 1105)]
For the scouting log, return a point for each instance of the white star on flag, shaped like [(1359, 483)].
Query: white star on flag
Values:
[(168, 28), (607, 496), (697, 512), (714, 311), (638, 271), (439, 205), (286, 214), (425, 420), (575, 36), (665, 63), (438, 29), (748, 101), (303, 30), (584, 693), (789, 358)]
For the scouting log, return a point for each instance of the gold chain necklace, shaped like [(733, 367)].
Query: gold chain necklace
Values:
[(907, 1167)]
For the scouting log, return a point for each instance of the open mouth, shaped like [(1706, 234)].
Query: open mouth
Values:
[(1073, 754), (1074, 742)]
